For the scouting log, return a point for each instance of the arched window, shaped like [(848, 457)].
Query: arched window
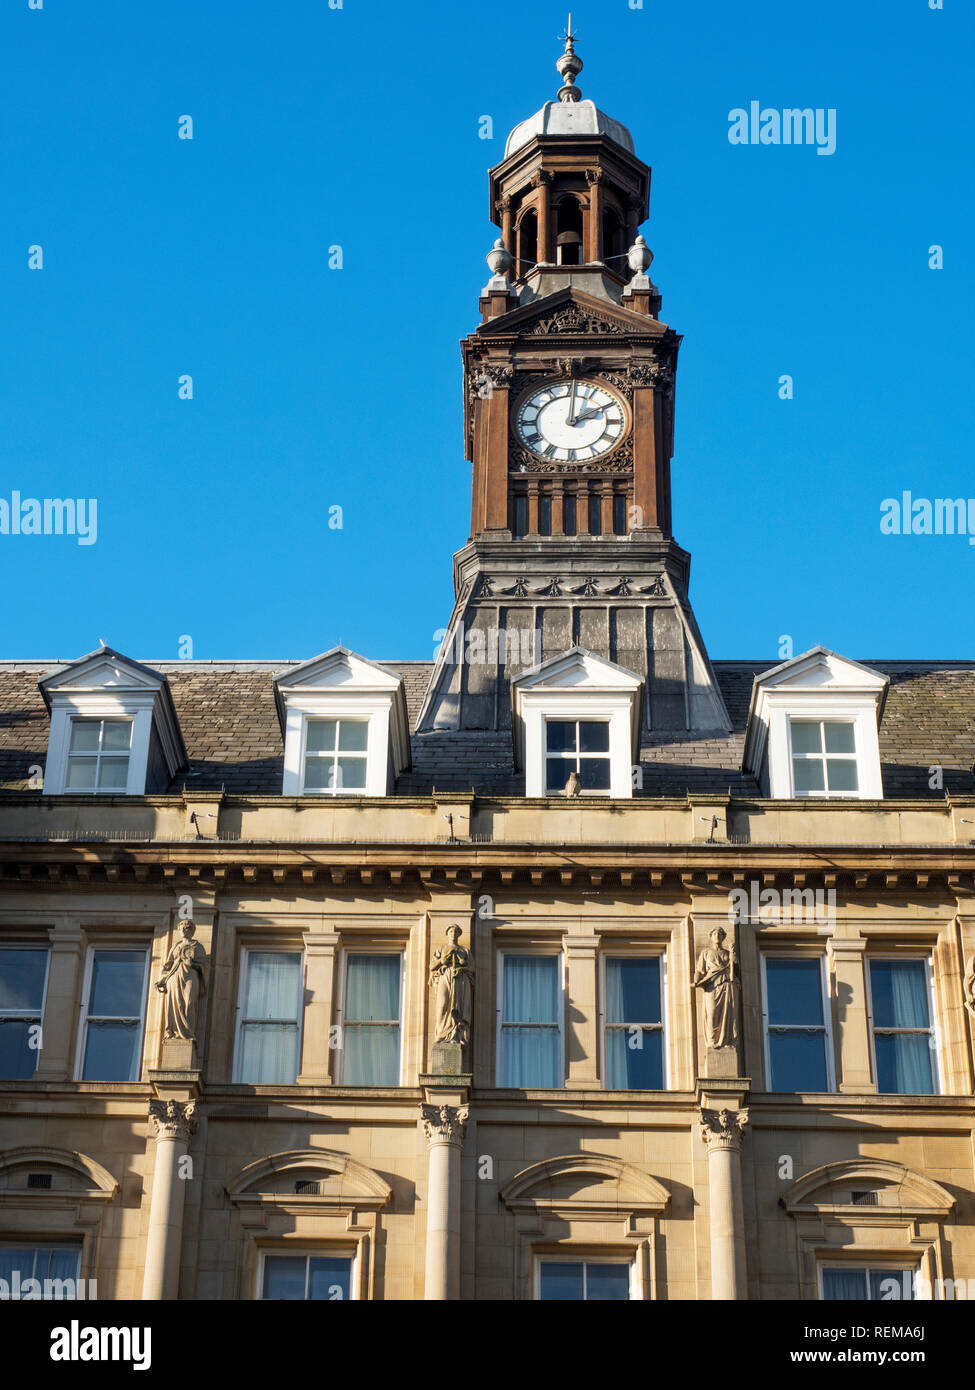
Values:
[(568, 236), (527, 244)]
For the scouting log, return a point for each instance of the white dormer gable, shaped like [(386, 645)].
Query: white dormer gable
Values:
[(114, 728), (813, 727), (345, 724), (577, 688)]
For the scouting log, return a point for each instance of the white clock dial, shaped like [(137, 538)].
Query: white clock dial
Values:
[(570, 421)]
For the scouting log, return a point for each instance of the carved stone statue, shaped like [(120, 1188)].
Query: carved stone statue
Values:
[(716, 968), (183, 982), (452, 977), (723, 1129), (970, 985)]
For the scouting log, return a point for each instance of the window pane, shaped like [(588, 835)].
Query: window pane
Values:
[(634, 1060), (900, 994), (844, 1283), (117, 983), (561, 1281), (795, 991), (350, 774), (557, 772), (329, 1277), (352, 735), (39, 1262), (18, 1060), (318, 773), (531, 989), (273, 985), (544, 515), (284, 1276), (371, 1056), (560, 735), (116, 735), (606, 1283), (594, 774), (594, 736), (530, 1057), (633, 990), (268, 1054), (798, 1061), (113, 773), (841, 774), (569, 516), (839, 738), (84, 735), (320, 737), (904, 1064), (372, 989), (808, 776), (806, 738), (110, 1051), (81, 773), (22, 979)]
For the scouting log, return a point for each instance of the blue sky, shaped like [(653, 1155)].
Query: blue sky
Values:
[(316, 387)]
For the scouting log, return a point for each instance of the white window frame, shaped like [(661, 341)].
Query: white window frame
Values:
[(558, 954), (114, 756), (570, 1256), (854, 758), (369, 950), (365, 754), (270, 950), (20, 1014), (783, 708), (574, 705), (870, 1266), (136, 709), (632, 952), (94, 947), (932, 1029), (827, 1017), (320, 1252), (606, 757)]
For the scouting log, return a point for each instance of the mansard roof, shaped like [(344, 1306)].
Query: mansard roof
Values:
[(230, 727)]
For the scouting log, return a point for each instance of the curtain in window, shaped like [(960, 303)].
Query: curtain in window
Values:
[(530, 1055), (900, 1000), (634, 1057), (34, 1262), (850, 1284), (371, 1035), (269, 1050)]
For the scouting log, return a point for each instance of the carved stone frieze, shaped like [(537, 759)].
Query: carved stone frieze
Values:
[(619, 461), (572, 319)]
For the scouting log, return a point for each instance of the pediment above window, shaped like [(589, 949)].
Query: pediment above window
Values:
[(868, 1189), (114, 728)]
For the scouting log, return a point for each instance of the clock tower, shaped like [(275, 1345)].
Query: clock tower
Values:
[(569, 423)]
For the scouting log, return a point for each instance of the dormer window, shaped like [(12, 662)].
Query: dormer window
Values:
[(345, 725), (114, 730), (576, 722), (813, 728)]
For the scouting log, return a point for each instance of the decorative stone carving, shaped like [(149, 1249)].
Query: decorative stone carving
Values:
[(444, 1124), (572, 319), (716, 975), (485, 588), (553, 589), (723, 1129), (622, 589), (541, 176), (452, 979), (594, 175), (172, 1119), (658, 588), (970, 985), (574, 785), (619, 461), (520, 588), (590, 588), (183, 982)]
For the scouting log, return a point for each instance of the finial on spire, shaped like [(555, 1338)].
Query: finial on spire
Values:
[(569, 66)]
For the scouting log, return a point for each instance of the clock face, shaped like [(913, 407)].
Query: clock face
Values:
[(570, 421)]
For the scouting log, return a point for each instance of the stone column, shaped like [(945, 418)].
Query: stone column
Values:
[(172, 1121), (582, 1024), (850, 1004), (316, 1055), (722, 1132), (541, 181), (444, 1126)]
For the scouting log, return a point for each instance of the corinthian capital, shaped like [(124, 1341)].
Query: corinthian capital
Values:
[(444, 1124), (723, 1129), (172, 1119)]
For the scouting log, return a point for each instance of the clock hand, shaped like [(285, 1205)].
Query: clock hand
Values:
[(572, 404), (586, 414)]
